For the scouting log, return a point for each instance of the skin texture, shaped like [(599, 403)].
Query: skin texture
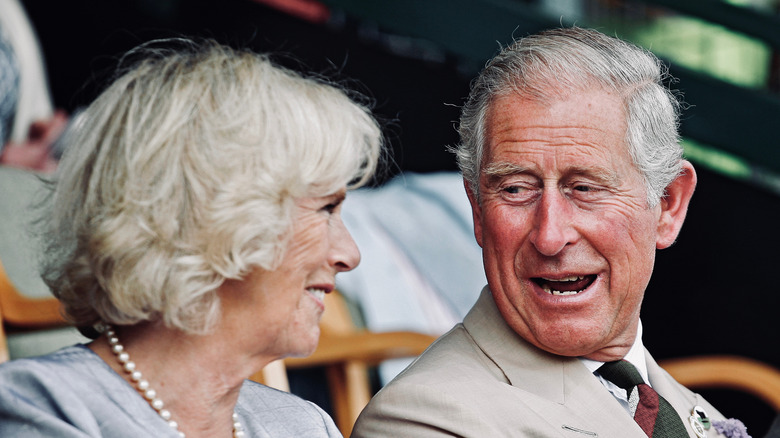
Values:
[(277, 305), (561, 197), (265, 316)]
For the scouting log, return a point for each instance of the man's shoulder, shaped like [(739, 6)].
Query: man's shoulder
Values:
[(454, 357), (453, 389), (435, 396), (453, 371)]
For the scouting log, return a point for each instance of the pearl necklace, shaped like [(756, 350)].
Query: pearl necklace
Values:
[(142, 386)]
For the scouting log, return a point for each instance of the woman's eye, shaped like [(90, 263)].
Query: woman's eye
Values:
[(330, 208)]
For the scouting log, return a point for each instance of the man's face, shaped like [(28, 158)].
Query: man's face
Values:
[(567, 235)]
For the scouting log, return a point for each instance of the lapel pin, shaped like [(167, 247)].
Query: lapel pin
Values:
[(699, 421)]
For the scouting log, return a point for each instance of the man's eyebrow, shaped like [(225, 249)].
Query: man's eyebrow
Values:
[(601, 174), (503, 168)]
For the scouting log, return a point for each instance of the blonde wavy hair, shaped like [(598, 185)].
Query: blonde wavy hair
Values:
[(184, 172)]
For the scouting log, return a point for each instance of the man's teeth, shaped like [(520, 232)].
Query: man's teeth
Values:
[(569, 278), (547, 289), (318, 293)]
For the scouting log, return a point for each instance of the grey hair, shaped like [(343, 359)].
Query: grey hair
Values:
[(546, 65), (184, 173)]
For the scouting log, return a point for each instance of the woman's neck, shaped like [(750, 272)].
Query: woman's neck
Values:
[(196, 377)]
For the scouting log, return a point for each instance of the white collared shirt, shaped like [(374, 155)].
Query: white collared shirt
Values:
[(636, 355)]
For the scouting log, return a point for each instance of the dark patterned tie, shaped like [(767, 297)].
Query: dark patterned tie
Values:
[(655, 416)]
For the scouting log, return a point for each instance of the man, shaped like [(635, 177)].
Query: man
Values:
[(571, 161)]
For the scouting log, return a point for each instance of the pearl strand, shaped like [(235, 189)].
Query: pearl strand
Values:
[(142, 386)]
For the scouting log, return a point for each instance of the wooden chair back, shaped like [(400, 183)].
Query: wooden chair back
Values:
[(738, 373), (20, 311)]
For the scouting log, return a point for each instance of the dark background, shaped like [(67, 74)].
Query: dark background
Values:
[(82, 40), (713, 292)]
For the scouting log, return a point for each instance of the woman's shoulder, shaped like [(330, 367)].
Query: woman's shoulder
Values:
[(61, 376), (279, 413), (49, 365), (42, 396), (258, 396), (71, 393)]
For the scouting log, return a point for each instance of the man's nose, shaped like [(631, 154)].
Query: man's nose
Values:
[(553, 224)]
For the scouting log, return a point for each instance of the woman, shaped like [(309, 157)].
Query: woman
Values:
[(195, 229)]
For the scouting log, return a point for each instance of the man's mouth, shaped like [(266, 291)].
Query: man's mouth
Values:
[(570, 285)]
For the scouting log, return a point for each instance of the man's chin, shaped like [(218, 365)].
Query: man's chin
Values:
[(595, 347), (608, 354)]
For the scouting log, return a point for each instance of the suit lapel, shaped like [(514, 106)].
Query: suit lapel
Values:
[(579, 403), (595, 406), (523, 365), (582, 404)]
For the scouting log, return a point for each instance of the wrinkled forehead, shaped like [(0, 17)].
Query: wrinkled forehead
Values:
[(594, 112), (587, 128)]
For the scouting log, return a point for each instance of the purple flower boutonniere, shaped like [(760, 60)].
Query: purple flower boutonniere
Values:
[(732, 428)]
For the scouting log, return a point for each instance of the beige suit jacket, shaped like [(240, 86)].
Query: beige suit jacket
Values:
[(482, 380)]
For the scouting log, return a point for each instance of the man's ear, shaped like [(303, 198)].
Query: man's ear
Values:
[(476, 211), (674, 206)]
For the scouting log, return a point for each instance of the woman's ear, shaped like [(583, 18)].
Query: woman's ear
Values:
[(674, 206)]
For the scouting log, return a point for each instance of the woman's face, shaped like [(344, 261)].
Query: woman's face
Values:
[(280, 310)]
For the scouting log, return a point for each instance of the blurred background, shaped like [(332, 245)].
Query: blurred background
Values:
[(709, 294)]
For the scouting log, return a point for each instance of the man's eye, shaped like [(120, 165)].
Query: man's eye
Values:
[(518, 193), (588, 191)]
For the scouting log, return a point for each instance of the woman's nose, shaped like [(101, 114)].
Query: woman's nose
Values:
[(344, 254)]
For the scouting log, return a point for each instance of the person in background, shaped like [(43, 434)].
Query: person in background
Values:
[(28, 139), (193, 231), (571, 161), (9, 88)]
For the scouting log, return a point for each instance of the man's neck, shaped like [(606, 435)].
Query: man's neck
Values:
[(635, 355)]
